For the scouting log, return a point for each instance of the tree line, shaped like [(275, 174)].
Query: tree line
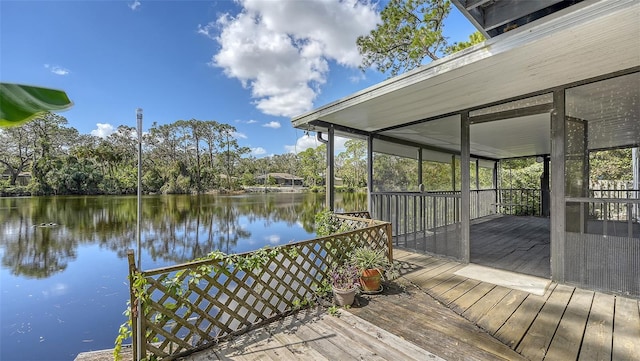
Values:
[(184, 157)]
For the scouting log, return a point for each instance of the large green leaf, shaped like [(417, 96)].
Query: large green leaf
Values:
[(21, 103)]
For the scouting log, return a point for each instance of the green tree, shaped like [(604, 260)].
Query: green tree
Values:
[(436, 176), (410, 31), (394, 174), (612, 164), (230, 153), (353, 163), (312, 164), (16, 152), (474, 38), (284, 163)]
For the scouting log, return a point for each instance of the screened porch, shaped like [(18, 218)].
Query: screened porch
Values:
[(552, 92)]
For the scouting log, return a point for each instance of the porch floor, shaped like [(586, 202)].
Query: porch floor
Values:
[(514, 243)]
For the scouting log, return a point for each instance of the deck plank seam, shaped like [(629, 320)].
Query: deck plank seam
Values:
[(471, 305), (555, 330), (613, 325), (462, 294), (584, 330), (491, 309)]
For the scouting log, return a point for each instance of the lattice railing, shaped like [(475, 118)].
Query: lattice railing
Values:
[(190, 306), (361, 214)]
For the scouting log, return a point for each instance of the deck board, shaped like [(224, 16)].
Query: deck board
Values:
[(468, 299), (456, 292), (497, 316), (448, 284), (408, 350), (322, 341), (539, 336), (442, 278), (598, 334), (433, 327), (566, 344), (626, 336), (367, 349), (514, 329), (486, 303)]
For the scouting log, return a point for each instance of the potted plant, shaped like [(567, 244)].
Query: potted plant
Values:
[(345, 281), (371, 265)]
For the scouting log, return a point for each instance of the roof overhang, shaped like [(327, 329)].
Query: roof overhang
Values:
[(495, 17), (587, 40)]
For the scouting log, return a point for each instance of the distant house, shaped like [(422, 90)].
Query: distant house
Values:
[(281, 179), (23, 178)]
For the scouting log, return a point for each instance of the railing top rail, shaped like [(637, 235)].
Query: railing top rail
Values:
[(519, 189), (614, 190), (373, 223), (423, 194), (603, 200)]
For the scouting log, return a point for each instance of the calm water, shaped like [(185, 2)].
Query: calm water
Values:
[(63, 287)]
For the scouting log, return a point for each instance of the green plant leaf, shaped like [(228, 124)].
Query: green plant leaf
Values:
[(21, 103)]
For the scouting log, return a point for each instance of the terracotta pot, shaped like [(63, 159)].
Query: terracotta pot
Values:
[(344, 297), (370, 280)]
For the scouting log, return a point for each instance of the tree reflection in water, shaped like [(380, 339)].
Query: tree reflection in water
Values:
[(175, 228)]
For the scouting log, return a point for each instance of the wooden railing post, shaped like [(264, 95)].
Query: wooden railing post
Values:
[(388, 231), (133, 305)]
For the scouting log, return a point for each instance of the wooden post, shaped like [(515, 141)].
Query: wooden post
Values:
[(133, 304), (420, 185), (330, 174), (544, 186), (496, 171), (477, 188), (465, 187), (370, 177), (389, 241), (557, 186), (453, 172)]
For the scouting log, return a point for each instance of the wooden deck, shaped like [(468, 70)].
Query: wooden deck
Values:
[(314, 335), (431, 313), (567, 323), (429, 331)]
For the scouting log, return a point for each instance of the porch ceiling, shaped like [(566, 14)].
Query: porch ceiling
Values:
[(587, 40)]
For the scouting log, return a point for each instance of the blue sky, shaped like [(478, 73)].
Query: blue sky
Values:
[(249, 63)]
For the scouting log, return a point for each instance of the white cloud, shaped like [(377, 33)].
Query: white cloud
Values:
[(250, 121), (258, 151), (358, 78), (281, 50), (208, 30), (135, 5), (309, 141), (273, 239), (239, 135), (274, 125), (103, 130), (58, 70)]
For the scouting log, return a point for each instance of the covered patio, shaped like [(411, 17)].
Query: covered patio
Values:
[(558, 89)]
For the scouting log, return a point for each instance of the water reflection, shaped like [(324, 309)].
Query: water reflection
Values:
[(40, 236), (64, 286)]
